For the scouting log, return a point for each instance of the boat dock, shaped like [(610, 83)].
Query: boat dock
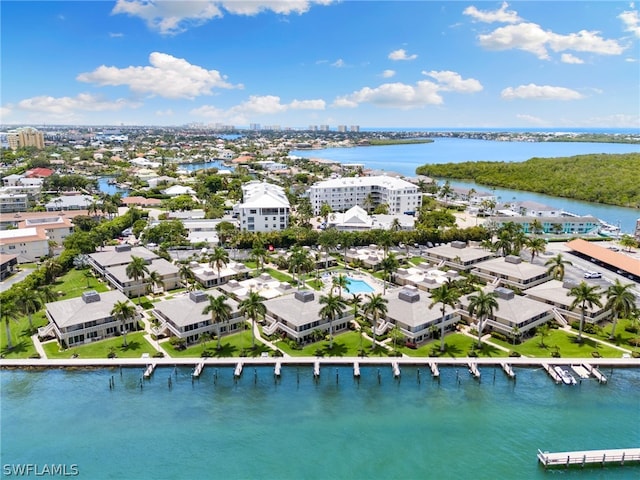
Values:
[(277, 368), (508, 370), (580, 371), (552, 373), (316, 369), (149, 371), (356, 369), (584, 458), (473, 369), (197, 371), (396, 369), (238, 371), (595, 372), (435, 372)]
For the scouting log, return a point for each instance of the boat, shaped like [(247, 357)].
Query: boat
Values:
[(565, 376)]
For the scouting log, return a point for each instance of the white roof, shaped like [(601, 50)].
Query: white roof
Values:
[(379, 180)]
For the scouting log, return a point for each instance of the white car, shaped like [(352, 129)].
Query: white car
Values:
[(593, 275)]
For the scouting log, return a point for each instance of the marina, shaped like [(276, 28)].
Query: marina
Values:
[(585, 458)]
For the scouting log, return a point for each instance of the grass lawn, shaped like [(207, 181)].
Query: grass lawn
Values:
[(74, 282), (622, 336), (234, 345), (566, 345), (280, 276), (136, 346), (144, 302), (345, 344), (20, 336)]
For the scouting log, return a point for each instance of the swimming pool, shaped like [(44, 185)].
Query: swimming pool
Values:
[(358, 286)]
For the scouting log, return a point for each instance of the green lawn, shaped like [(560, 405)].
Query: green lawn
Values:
[(280, 276), (345, 344), (234, 345), (74, 282), (136, 346), (456, 345), (564, 343), (20, 336), (622, 336)]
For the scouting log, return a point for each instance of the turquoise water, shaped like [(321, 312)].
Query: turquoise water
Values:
[(337, 428), (358, 286)]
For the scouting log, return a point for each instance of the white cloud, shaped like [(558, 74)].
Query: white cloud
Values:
[(531, 38), (168, 77), (631, 22), (339, 63), (531, 119), (116, 35), (388, 74), (397, 95), (81, 102), (501, 15), (568, 58), (255, 105), (164, 113), (452, 82), (401, 54), (173, 17), (4, 112), (540, 92)]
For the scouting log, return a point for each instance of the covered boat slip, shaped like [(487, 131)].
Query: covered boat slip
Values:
[(584, 458)]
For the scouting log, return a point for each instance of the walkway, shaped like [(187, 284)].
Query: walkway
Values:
[(258, 335), (38, 345)]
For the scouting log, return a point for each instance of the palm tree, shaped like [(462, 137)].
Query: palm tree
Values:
[(334, 307), (389, 265), (186, 274), (328, 239), (51, 270), (585, 296), (621, 301), (155, 279), (136, 270), (536, 227), (356, 302), (515, 333), (253, 307), (395, 225), (445, 191), (447, 295), (376, 308), (123, 311), (46, 294), (482, 305), (220, 312), (536, 246), (9, 312), (27, 303), (556, 266), (340, 282), (300, 261), (368, 203), (259, 255), (219, 258), (325, 211)]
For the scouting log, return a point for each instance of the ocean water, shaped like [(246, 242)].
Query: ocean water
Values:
[(405, 159), (295, 428)]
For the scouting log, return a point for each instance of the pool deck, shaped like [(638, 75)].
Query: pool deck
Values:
[(311, 361)]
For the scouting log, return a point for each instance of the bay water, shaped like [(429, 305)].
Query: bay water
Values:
[(336, 428)]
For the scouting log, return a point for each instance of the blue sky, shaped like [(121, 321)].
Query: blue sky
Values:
[(300, 62)]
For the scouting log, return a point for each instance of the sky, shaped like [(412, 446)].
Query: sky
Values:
[(298, 63)]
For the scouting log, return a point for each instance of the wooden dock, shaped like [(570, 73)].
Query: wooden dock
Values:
[(356, 369), (149, 371), (396, 369), (508, 370), (435, 372), (473, 369), (595, 372), (552, 373), (583, 458), (277, 369), (238, 371), (197, 371), (316, 368)]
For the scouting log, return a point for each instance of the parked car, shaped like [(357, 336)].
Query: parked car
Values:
[(593, 275)]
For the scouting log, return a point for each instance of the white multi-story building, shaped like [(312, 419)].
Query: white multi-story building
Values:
[(29, 244), (264, 208), (343, 193)]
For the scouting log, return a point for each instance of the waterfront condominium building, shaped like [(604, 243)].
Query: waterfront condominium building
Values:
[(25, 137), (343, 193), (264, 207)]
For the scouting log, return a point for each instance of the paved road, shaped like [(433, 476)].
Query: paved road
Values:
[(18, 277)]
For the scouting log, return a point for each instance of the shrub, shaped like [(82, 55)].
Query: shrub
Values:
[(158, 355), (631, 329), (514, 354), (500, 336), (35, 355), (472, 353), (634, 341)]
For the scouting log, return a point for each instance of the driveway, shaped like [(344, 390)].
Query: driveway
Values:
[(15, 278)]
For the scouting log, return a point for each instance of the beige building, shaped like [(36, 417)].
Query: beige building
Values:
[(25, 137)]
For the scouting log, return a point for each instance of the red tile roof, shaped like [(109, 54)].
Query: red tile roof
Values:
[(604, 255), (39, 172)]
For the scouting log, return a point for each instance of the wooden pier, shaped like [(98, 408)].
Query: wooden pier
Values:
[(580, 371), (473, 369), (508, 370), (197, 371), (396, 369), (583, 458), (238, 371), (149, 371), (356, 369), (277, 369), (435, 372), (595, 372), (552, 373), (316, 368)]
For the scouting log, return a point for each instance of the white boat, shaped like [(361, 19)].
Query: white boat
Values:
[(566, 377)]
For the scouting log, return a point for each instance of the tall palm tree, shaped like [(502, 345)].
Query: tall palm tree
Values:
[(9, 312), (482, 305), (186, 275), (536, 227), (46, 294), (328, 239), (220, 312), (123, 311), (389, 265), (621, 301), (376, 308), (356, 302), (557, 266), (27, 303), (585, 295), (536, 246), (219, 259), (325, 211), (253, 307), (447, 295), (340, 282), (259, 255), (334, 307), (136, 270), (52, 269), (155, 279), (299, 261)]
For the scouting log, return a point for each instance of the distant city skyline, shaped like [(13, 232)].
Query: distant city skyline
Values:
[(295, 64)]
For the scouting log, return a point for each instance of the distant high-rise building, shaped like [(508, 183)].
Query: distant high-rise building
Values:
[(324, 128), (254, 126), (342, 128), (25, 137), (354, 128)]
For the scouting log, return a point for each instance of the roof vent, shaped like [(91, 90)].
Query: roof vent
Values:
[(409, 295), (90, 296), (504, 293), (304, 296), (513, 259), (458, 244), (197, 296), (123, 247)]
